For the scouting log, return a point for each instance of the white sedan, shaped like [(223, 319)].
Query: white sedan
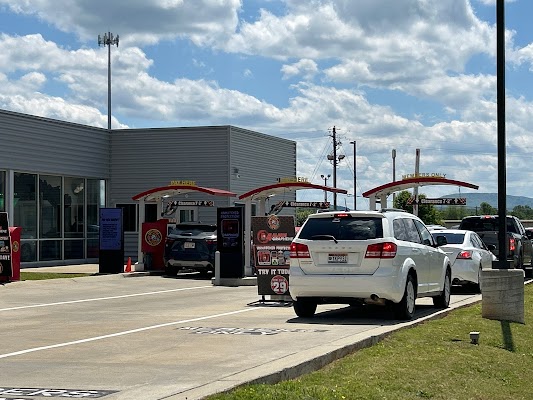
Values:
[(468, 255)]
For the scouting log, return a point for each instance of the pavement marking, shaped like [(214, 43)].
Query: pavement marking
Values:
[(103, 298), (111, 335)]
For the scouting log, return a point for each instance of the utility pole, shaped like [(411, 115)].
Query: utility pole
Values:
[(335, 159), (108, 40)]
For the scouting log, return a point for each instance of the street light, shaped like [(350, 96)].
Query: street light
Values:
[(325, 184), (108, 40)]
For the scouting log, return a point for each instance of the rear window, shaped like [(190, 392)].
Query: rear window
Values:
[(193, 229), (345, 228), (451, 238), (479, 224)]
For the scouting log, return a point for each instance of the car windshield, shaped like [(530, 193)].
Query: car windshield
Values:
[(451, 238), (346, 228), (480, 224), (193, 229)]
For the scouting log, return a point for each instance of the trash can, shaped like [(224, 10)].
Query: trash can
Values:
[(148, 261)]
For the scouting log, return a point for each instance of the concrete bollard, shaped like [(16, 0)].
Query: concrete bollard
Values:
[(502, 294), (216, 280)]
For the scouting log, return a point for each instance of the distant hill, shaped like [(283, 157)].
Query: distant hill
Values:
[(475, 199)]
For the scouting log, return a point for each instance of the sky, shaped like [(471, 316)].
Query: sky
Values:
[(387, 74)]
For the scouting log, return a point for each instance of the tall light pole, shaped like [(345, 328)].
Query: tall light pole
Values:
[(354, 174), (108, 40), (325, 177)]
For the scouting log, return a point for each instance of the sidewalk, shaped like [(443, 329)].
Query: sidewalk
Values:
[(67, 269)]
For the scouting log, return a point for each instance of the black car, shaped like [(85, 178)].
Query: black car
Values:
[(191, 246)]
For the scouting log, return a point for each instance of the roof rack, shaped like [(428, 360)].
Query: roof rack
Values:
[(391, 209)]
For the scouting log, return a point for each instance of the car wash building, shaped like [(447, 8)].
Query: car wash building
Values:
[(56, 176)]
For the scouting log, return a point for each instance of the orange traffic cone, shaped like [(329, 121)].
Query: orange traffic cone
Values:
[(128, 265)]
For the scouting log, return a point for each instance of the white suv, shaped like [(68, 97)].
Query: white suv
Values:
[(380, 257)]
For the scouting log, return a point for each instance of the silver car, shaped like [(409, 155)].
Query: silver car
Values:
[(468, 255)]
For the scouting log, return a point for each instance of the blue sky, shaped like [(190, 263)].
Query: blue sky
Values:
[(401, 74)]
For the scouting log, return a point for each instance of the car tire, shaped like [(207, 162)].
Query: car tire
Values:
[(171, 271), (304, 308), (405, 309), (443, 300)]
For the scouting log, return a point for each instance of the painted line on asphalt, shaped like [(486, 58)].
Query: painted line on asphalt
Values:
[(103, 298), (112, 335)]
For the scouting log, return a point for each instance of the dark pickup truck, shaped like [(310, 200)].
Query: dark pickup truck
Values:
[(519, 249)]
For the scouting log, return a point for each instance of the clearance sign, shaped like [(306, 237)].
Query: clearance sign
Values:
[(272, 237)]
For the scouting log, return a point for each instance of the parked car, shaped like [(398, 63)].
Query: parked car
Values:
[(468, 255), (385, 257), (191, 246)]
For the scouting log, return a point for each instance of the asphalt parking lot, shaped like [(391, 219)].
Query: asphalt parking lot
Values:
[(152, 337)]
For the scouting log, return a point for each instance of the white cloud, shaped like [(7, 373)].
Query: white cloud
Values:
[(305, 67)]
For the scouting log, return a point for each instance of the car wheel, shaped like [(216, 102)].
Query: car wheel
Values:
[(304, 308), (170, 270), (405, 309), (443, 300)]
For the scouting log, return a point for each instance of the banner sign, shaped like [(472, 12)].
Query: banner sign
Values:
[(448, 201), (272, 237), (5, 246)]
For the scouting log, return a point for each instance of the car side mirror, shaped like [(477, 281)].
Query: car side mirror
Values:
[(491, 247), (441, 241)]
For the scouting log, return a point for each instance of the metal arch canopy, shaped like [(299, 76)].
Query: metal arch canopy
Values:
[(279, 188), (391, 187), (156, 194)]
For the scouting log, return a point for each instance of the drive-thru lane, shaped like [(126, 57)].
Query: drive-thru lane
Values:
[(152, 337)]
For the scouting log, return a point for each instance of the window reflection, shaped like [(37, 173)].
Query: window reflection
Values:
[(25, 204), (74, 202), (50, 206)]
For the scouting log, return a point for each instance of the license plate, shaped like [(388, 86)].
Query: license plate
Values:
[(338, 258), (189, 245)]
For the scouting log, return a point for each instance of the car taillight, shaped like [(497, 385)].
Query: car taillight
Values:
[(211, 242), (299, 250), (512, 244), (381, 250), (465, 255)]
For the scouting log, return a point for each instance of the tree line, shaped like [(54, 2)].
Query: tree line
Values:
[(431, 215)]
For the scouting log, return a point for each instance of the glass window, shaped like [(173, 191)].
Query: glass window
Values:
[(95, 201), (25, 204), (2, 190), (399, 230), (129, 217), (28, 250), (74, 249), (348, 228), (412, 232), (186, 215), (50, 206), (74, 204), (50, 250), (427, 239), (150, 212)]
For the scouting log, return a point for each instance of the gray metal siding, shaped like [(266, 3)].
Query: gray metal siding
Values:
[(261, 159), (146, 158), (53, 147)]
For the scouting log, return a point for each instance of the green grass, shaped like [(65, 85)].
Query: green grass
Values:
[(433, 360), (35, 276)]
